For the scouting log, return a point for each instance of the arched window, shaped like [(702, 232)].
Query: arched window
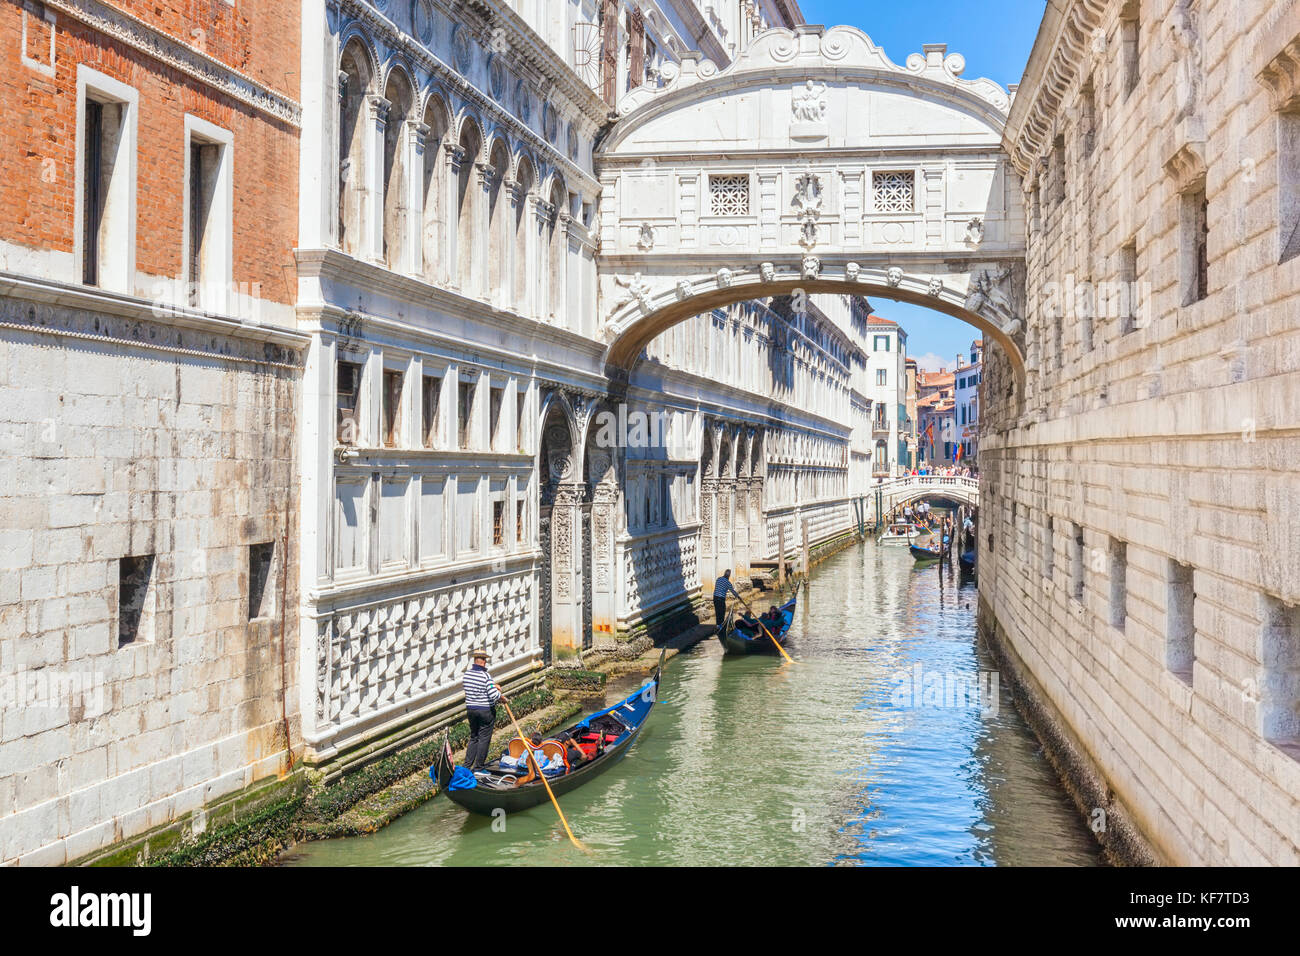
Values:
[(523, 232), (396, 202), (499, 289), (355, 77), (468, 268), (433, 221)]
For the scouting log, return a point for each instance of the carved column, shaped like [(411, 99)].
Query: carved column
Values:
[(416, 137), (373, 202), (545, 216), (566, 569), (604, 591), (708, 495), (742, 536), (512, 197), (482, 234), (456, 157), (726, 512), (567, 316)]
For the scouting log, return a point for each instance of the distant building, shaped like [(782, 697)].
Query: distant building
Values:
[(966, 397), (887, 389), (936, 434), (910, 426)]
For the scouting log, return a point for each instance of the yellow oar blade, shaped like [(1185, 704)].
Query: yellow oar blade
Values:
[(542, 776)]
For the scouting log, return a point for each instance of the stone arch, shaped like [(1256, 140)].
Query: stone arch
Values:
[(650, 306), (399, 91), (357, 71), (437, 122), (525, 176), (468, 200)]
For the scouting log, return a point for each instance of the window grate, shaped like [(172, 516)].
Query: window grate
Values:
[(729, 195), (894, 191)]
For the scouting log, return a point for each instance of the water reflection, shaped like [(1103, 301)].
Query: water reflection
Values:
[(850, 756)]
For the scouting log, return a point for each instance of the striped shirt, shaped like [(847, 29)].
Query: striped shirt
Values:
[(722, 586), (479, 689)]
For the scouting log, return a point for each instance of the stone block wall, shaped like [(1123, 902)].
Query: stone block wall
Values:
[(1139, 501), (145, 465)]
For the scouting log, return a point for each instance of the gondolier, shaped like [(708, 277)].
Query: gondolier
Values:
[(721, 588), (481, 696)]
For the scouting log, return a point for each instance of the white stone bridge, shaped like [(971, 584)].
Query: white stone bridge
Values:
[(897, 492), (811, 163)]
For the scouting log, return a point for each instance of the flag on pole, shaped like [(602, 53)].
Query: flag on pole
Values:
[(957, 454)]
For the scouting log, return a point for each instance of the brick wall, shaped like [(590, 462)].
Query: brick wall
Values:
[(37, 196)]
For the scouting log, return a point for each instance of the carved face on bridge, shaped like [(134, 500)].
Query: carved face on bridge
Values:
[(767, 271), (894, 276)]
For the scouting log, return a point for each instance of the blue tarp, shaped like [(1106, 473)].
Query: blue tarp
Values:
[(462, 778)]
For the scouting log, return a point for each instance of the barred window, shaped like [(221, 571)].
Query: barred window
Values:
[(894, 191), (729, 195)]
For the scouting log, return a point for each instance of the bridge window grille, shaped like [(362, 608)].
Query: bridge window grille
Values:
[(729, 195), (894, 191)]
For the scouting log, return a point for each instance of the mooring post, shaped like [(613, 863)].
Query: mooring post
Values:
[(780, 555), (807, 566)]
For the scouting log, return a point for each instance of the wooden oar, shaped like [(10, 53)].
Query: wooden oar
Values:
[(545, 783), (788, 658)]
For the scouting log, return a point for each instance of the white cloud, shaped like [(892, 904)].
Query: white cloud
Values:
[(929, 362)]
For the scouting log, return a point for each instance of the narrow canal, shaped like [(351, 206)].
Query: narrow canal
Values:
[(881, 745)]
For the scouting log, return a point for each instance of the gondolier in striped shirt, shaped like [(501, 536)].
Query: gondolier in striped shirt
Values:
[(721, 588), (481, 696)]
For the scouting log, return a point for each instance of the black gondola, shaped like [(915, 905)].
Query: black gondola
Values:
[(736, 638), (924, 554), (609, 733)]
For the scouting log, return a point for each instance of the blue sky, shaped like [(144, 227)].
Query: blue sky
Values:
[(995, 38)]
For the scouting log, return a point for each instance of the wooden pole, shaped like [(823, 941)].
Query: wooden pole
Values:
[(807, 566), (780, 556)]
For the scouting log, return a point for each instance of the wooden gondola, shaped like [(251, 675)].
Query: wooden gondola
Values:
[(607, 734), (924, 554), (736, 638)]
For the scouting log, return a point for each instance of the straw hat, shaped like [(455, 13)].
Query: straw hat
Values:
[(480, 652)]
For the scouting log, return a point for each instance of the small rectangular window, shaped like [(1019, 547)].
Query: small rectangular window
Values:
[(1128, 290), (208, 213), (1180, 620), (1049, 549), (893, 191), (882, 376), (1118, 584), (498, 523), (1129, 35), (519, 521), (1058, 170), (349, 402), (431, 390), (1088, 118), (392, 407), (92, 201), (1288, 156), (260, 603), (1280, 689), (136, 599), (1076, 564), (729, 195), (464, 412), (1195, 237)]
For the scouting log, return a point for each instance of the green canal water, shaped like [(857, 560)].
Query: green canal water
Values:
[(875, 748)]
